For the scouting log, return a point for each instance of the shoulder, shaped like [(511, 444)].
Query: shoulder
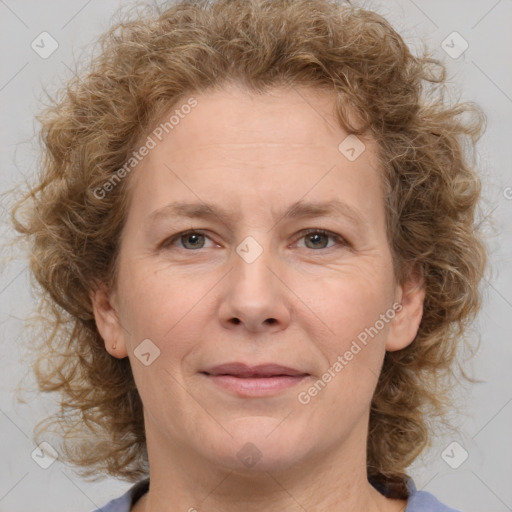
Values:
[(422, 501), (418, 501), (125, 502)]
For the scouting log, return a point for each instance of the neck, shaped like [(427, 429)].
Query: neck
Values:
[(180, 479)]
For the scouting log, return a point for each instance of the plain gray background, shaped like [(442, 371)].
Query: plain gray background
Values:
[(482, 73)]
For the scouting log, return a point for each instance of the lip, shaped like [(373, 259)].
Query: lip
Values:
[(261, 370), (254, 381)]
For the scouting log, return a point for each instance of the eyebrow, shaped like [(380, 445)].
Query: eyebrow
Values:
[(299, 209)]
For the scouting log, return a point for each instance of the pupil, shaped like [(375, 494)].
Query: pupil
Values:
[(315, 237), (192, 237)]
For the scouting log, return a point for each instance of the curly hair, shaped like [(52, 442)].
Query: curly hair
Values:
[(145, 66)]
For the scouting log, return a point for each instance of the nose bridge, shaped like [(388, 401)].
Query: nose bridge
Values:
[(252, 263), (255, 296), (253, 279)]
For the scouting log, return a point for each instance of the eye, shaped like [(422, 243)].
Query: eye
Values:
[(190, 240), (314, 239), (317, 238)]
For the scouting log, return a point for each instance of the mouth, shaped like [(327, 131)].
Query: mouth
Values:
[(254, 381)]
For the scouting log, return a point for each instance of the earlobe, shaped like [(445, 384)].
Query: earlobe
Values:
[(405, 324), (107, 322)]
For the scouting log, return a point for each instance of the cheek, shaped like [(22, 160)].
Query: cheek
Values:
[(352, 345), (158, 307), (163, 311), (353, 349), (350, 301)]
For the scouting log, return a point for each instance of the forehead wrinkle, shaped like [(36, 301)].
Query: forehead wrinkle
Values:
[(299, 209)]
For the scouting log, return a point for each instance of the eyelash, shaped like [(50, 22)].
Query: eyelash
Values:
[(305, 232)]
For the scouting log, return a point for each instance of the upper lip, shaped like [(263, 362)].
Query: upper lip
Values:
[(244, 370)]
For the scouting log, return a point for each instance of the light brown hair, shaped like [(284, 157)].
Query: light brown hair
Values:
[(149, 64)]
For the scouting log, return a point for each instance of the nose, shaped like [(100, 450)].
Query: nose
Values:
[(255, 297)]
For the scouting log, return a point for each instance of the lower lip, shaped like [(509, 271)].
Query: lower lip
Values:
[(256, 386)]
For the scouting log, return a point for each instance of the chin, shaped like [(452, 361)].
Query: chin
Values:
[(261, 443)]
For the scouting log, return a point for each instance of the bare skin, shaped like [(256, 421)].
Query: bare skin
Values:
[(301, 303)]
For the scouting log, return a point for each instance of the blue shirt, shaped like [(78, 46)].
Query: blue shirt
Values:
[(419, 501)]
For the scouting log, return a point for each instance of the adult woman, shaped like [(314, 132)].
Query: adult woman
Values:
[(260, 369)]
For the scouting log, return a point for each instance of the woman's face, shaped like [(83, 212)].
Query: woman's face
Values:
[(250, 286)]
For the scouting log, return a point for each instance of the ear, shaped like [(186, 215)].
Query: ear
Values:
[(107, 322), (404, 326)]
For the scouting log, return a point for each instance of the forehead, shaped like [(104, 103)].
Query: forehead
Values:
[(262, 148), (236, 115)]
